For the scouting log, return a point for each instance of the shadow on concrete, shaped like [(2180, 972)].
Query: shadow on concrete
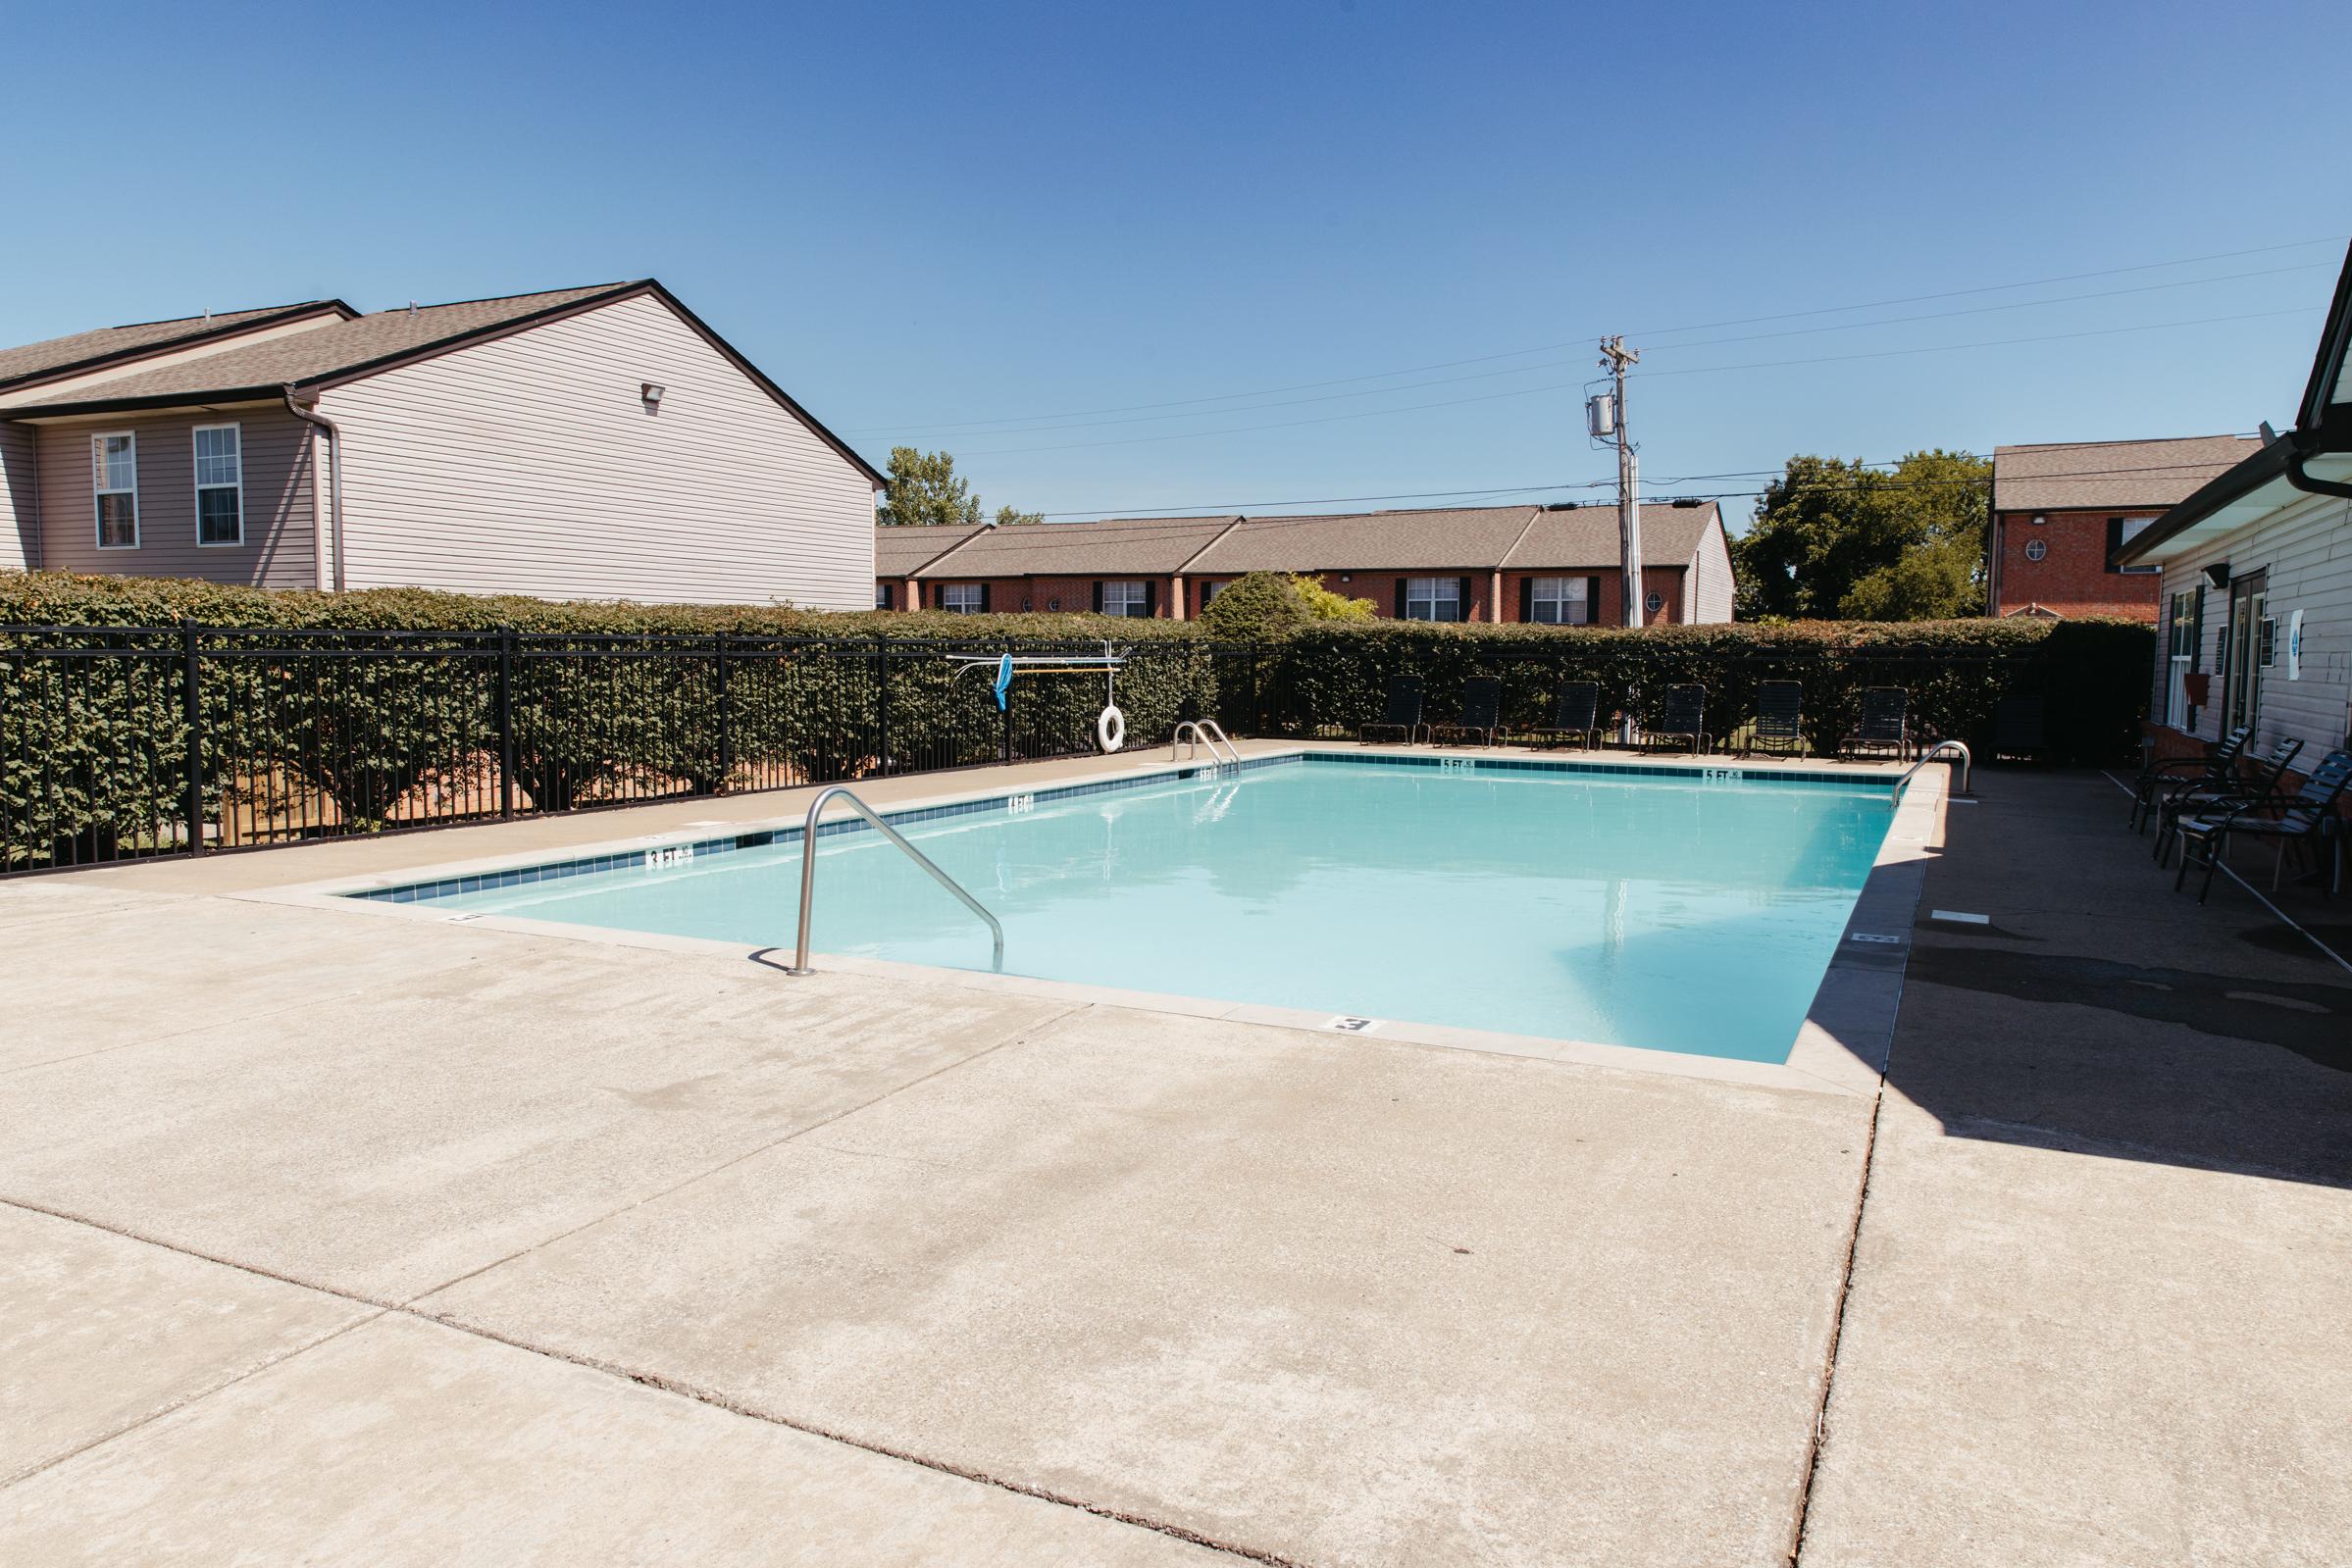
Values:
[(2100, 1007)]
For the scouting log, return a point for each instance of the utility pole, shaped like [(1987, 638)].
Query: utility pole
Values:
[(1615, 357)]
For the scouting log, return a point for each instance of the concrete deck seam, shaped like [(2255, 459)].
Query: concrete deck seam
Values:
[(1016, 1037), (1837, 1327), (2230, 871), (676, 1388), (182, 1401)]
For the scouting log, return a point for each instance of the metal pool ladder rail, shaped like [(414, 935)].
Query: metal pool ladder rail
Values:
[(1941, 748), (1209, 734), (808, 871)]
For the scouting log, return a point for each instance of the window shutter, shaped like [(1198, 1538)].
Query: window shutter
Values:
[(1526, 599), (881, 596), (1098, 597), (984, 598), (1591, 601), (1463, 604), (1402, 610), (2115, 541), (1150, 599)]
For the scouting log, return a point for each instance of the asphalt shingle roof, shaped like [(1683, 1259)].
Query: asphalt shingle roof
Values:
[(1151, 546), (1586, 537), (1447, 539), (323, 351), (57, 355), (899, 550), (2061, 476)]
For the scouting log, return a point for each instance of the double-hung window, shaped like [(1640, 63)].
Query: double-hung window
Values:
[(1433, 598), (2181, 645), (961, 598), (1558, 601), (1126, 598), (219, 485), (2125, 529), (115, 478)]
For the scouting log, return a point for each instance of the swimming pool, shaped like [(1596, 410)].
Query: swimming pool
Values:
[(1683, 910)]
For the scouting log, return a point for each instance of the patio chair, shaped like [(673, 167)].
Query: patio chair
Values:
[(2218, 765), (2199, 797), (1779, 720), (2300, 821), (2019, 729), (1575, 711), (1886, 725), (1481, 711), (1403, 711), (1683, 718)]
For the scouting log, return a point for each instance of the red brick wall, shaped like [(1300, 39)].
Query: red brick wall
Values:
[(1666, 582), (1075, 595), (2071, 578)]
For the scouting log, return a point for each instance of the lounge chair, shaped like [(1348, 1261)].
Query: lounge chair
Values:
[(1575, 711), (1683, 718), (2019, 729), (2299, 820), (1779, 719), (2218, 765), (1402, 714), (1481, 711), (2255, 786), (1886, 725)]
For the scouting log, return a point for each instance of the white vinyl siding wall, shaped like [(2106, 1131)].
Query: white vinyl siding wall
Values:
[(1707, 599), (19, 499), (2307, 548), (530, 464)]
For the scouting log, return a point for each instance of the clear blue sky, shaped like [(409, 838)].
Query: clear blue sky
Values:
[(922, 216)]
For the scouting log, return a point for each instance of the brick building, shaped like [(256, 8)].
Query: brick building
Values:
[(2060, 510), (1555, 565)]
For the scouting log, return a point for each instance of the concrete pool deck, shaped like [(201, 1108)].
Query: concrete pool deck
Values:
[(332, 1239)]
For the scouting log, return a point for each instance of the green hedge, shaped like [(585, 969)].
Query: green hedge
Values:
[(93, 754)]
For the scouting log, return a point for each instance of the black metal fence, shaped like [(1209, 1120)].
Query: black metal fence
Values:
[(126, 742)]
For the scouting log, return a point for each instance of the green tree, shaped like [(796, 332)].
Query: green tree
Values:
[(1836, 539), (1268, 606), (1008, 518), (923, 490)]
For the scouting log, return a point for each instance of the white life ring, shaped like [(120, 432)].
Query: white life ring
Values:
[(1110, 730)]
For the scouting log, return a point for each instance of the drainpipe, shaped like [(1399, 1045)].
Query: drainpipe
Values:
[(2304, 446), (331, 548)]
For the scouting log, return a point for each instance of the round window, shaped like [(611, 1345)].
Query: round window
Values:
[(2036, 549), (1654, 602)]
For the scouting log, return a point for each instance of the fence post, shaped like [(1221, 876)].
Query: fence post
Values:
[(192, 715), (506, 722), (881, 703), (726, 723)]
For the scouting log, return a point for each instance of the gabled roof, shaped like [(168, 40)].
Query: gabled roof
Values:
[(1151, 546), (1586, 537), (2329, 389), (2094, 475), (1449, 538), (78, 353), (364, 345), (898, 550)]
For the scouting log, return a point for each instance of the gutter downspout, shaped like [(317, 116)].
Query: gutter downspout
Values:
[(2302, 445), (330, 549)]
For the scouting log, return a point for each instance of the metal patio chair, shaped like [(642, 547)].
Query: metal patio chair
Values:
[(2218, 765), (1779, 725), (1575, 711), (2302, 818), (1481, 711), (1683, 718), (1886, 725), (1402, 714)]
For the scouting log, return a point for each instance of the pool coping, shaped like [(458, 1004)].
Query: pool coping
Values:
[(1841, 1048)]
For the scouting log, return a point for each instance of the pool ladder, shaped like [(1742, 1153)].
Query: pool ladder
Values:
[(1940, 749), (808, 871), (1206, 733)]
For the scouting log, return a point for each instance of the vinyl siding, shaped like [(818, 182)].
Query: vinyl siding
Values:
[(529, 465), (1710, 577), (19, 499), (276, 552), (2307, 548)]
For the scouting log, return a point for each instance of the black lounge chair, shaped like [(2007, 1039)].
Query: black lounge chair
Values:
[(1575, 711), (2256, 787), (1684, 717), (1481, 711), (1779, 720), (2218, 765), (1886, 725), (2300, 821), (1403, 712), (2019, 729)]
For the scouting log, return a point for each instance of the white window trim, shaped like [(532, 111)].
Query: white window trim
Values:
[(1570, 590), (2036, 549), (196, 468), (959, 590), (1135, 606), (1451, 594), (98, 440), (2132, 528)]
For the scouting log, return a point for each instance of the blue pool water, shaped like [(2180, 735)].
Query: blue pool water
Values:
[(1670, 912)]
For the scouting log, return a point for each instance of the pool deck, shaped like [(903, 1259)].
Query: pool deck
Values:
[(391, 1240)]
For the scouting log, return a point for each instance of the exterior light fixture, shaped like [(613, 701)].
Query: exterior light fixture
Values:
[(2218, 573), (2039, 520), (651, 392)]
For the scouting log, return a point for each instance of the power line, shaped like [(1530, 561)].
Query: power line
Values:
[(1581, 340), (1558, 386)]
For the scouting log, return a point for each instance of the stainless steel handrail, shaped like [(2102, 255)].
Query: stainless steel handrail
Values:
[(1929, 755), (1199, 730), (808, 871), (1218, 736)]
